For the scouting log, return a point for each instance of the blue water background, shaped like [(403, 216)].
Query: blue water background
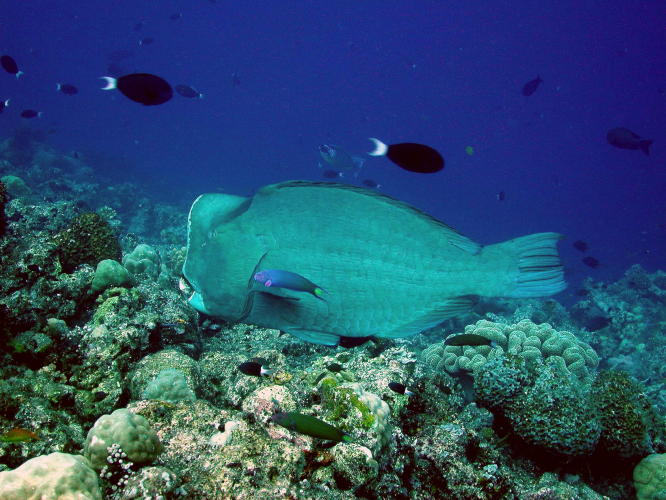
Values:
[(448, 74)]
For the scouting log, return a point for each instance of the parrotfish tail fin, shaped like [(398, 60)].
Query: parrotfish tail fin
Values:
[(540, 272), (265, 371), (18, 75), (645, 146)]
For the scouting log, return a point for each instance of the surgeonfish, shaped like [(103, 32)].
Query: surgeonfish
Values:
[(624, 138), (144, 88), (286, 279), (531, 87), (9, 65), (410, 156), (310, 426), (392, 272)]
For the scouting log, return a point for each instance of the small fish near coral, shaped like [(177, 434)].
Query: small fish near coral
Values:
[(310, 426), (18, 435), (399, 388), (471, 339), (382, 276), (254, 369)]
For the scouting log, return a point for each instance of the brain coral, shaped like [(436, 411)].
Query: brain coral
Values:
[(541, 343)]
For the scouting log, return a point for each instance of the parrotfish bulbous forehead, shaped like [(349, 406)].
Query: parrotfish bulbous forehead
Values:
[(391, 273)]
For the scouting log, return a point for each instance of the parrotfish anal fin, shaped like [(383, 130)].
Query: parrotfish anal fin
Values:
[(448, 309), (315, 337)]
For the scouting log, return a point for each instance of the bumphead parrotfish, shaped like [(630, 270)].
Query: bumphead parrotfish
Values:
[(392, 272)]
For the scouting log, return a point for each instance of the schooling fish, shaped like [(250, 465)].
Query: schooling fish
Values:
[(392, 272), (331, 174), (9, 65), (30, 113), (187, 91), (340, 159), (410, 156), (624, 138), (531, 87), (591, 262), (144, 88), (67, 88), (580, 245), (370, 183), (286, 279), (310, 426)]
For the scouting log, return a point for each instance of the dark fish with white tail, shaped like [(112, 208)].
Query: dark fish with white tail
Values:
[(188, 91), (254, 369), (410, 156), (624, 138), (67, 88), (10, 66), (144, 88)]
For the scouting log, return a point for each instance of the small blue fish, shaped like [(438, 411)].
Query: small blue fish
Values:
[(286, 279)]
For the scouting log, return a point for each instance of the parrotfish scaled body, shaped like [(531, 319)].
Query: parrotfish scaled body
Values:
[(340, 159), (286, 279), (391, 273)]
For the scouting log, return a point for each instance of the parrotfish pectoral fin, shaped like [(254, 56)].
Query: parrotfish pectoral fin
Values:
[(445, 310)]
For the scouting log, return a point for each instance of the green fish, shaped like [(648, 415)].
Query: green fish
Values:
[(18, 435), (471, 339), (310, 426), (389, 270)]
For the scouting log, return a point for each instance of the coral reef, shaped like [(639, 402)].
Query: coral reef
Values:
[(115, 351), (57, 475), (525, 339), (88, 240)]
